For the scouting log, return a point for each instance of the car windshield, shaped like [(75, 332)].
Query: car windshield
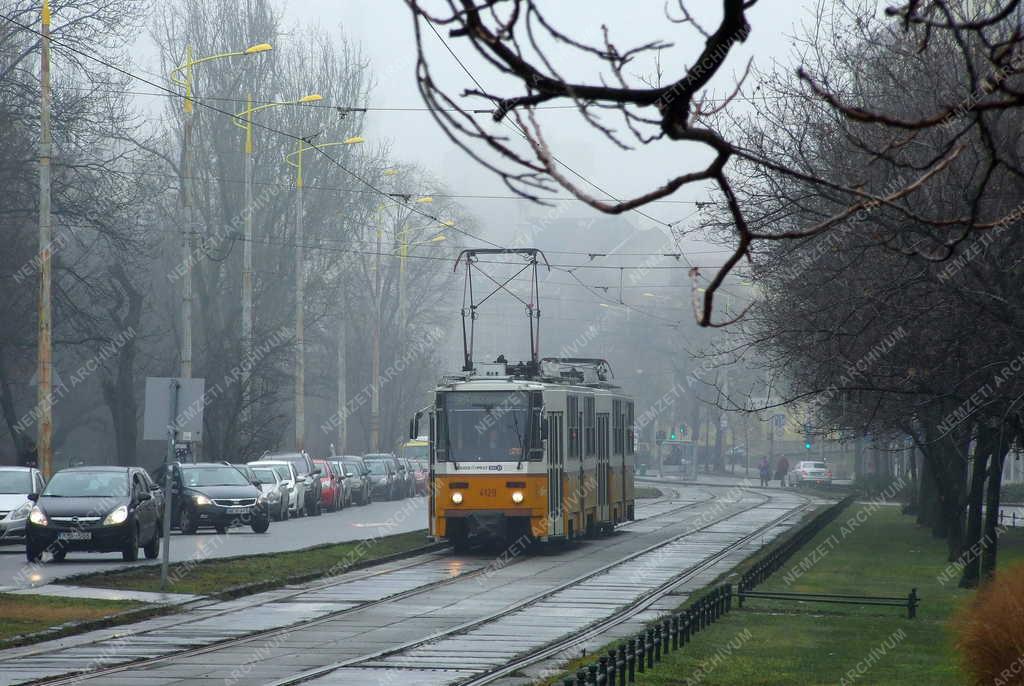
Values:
[(297, 461), (15, 481), (818, 465), (265, 474), (377, 466), (353, 466), (87, 485), (213, 476)]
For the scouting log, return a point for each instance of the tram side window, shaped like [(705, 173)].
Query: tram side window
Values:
[(629, 428), (572, 409), (589, 426), (617, 433)]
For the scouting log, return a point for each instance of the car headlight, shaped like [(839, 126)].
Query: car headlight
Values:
[(517, 497), (38, 517), (118, 516), (202, 500), (21, 512), (457, 498)]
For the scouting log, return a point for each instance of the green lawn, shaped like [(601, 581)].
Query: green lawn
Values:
[(26, 614), (214, 576), (644, 492), (780, 643)]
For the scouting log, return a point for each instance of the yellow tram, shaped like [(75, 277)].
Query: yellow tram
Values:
[(544, 451)]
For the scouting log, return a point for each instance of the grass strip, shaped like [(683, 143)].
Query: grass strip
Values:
[(786, 642), (27, 614), (251, 573)]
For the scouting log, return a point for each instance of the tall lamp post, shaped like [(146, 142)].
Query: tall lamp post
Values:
[(44, 371), (300, 287), (183, 76), (243, 120), (375, 371)]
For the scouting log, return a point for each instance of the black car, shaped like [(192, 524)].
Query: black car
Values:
[(95, 509), (214, 494), (309, 473), (385, 482)]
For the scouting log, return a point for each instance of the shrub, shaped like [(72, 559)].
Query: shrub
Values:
[(990, 630)]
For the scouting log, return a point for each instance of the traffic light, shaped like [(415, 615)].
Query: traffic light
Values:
[(807, 437), (673, 434)]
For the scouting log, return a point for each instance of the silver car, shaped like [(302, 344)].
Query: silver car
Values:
[(275, 488), (16, 483), (810, 472), (297, 484)]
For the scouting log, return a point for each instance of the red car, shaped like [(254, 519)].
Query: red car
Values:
[(332, 486)]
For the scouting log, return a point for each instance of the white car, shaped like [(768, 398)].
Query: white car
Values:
[(16, 483), (296, 484), (275, 487), (810, 472)]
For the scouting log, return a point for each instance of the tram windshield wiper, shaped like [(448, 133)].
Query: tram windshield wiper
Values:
[(522, 441)]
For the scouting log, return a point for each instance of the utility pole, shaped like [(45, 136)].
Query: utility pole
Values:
[(44, 373), (188, 228), (342, 415), (247, 268), (375, 400), (300, 298)]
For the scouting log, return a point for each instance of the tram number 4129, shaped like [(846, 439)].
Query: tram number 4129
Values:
[(489, 492)]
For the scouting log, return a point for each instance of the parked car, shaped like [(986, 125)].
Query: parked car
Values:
[(16, 484), (268, 478), (95, 509), (810, 472), (308, 472), (385, 484), (357, 475), (402, 475), (296, 486), (214, 494), (421, 471), (409, 476), (332, 486)]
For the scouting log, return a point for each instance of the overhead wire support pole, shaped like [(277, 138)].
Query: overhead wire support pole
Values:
[(44, 372)]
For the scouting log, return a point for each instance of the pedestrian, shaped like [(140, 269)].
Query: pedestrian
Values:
[(781, 470), (765, 470)]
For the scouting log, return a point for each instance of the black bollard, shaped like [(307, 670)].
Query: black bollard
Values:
[(592, 669), (657, 644), (602, 670), (675, 632), (581, 677), (641, 653), (650, 648), (621, 664), (631, 661)]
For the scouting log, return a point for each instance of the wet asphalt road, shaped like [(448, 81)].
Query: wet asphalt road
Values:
[(352, 523)]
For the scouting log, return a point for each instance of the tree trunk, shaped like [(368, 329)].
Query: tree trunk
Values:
[(982, 451), (990, 540), (927, 496), (119, 391)]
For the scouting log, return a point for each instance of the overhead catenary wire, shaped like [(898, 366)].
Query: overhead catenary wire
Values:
[(59, 44)]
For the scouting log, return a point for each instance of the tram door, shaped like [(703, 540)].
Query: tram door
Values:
[(556, 517), (431, 474), (602, 467)]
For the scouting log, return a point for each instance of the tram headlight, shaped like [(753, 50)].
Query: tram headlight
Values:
[(517, 497), (457, 498)]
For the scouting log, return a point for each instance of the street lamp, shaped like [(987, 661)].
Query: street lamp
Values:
[(182, 76), (243, 120), (300, 286)]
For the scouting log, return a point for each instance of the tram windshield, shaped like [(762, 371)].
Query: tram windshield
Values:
[(485, 426)]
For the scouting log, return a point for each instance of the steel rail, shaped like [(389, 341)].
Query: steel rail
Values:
[(521, 604), (76, 677)]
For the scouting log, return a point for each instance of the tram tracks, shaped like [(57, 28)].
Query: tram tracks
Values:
[(378, 660), (76, 676)]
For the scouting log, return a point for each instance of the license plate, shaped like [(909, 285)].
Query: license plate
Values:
[(75, 536), (238, 510)]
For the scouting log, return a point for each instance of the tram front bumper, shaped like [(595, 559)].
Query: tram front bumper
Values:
[(489, 523)]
